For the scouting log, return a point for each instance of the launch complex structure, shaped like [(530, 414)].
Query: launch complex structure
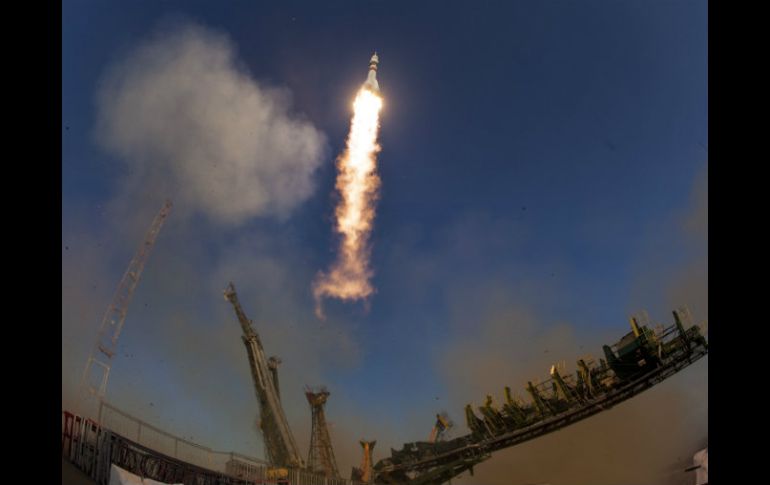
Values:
[(642, 358)]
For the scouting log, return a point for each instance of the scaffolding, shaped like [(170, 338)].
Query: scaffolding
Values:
[(279, 441), (321, 454)]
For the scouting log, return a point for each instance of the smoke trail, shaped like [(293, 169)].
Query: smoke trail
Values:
[(357, 184)]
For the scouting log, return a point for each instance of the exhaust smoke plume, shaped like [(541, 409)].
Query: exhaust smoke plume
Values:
[(190, 122), (357, 184)]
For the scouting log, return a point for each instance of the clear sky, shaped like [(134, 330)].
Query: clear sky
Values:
[(544, 175)]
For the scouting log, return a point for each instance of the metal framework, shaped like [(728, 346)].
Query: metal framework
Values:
[(94, 382), (93, 448), (321, 454), (435, 463), (281, 448)]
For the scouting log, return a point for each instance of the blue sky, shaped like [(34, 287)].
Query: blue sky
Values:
[(544, 175)]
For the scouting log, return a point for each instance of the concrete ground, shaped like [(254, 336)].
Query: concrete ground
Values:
[(70, 475)]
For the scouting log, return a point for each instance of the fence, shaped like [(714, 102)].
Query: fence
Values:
[(156, 439), (148, 451)]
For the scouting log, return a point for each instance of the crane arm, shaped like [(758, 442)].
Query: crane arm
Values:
[(96, 373)]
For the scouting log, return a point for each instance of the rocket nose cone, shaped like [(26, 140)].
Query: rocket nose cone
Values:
[(374, 58)]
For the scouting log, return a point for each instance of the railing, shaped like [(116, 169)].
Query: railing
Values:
[(94, 449), (154, 438), (146, 450)]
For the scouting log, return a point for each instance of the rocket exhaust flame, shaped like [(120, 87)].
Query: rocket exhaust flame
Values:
[(357, 184)]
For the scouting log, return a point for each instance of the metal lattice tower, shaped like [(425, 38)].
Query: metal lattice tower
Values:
[(321, 455), (97, 371), (281, 448)]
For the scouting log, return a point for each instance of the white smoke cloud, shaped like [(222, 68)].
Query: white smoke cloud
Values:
[(191, 123)]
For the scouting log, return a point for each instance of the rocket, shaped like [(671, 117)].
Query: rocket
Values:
[(371, 79)]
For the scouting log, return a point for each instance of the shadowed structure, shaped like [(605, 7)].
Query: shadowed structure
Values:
[(321, 455), (279, 441)]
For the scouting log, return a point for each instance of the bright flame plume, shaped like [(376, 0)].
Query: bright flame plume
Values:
[(357, 184)]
